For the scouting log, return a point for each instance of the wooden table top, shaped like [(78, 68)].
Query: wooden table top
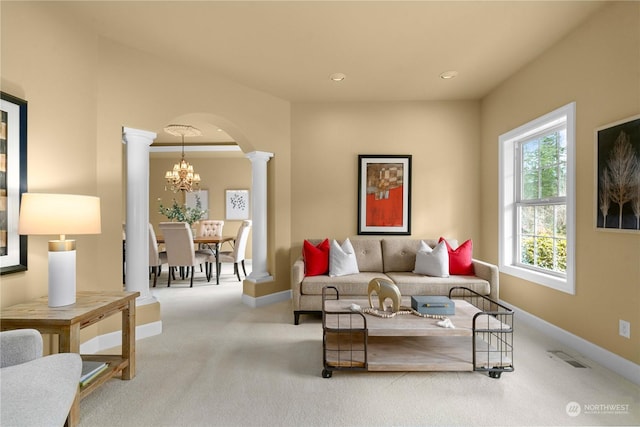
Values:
[(87, 302), (203, 239), (404, 324)]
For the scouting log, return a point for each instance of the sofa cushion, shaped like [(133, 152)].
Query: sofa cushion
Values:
[(354, 284), (368, 254), (432, 262), (413, 284), (400, 254), (342, 259), (316, 258), (460, 258)]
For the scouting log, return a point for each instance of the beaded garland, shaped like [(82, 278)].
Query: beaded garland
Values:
[(403, 310)]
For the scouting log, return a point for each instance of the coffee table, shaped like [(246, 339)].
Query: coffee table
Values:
[(481, 341)]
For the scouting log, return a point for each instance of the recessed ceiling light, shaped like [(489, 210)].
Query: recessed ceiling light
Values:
[(337, 77), (449, 75)]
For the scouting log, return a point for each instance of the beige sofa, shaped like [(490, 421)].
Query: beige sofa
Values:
[(390, 258)]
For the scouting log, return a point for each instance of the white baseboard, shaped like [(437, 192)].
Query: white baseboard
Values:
[(609, 360), (114, 339), (266, 300)]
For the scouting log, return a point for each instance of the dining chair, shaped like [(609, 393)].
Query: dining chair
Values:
[(208, 228), (178, 241), (237, 255), (156, 257)]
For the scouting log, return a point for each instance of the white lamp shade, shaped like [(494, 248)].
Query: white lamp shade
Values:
[(42, 213)]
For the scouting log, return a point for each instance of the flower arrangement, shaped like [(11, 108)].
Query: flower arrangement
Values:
[(183, 213)]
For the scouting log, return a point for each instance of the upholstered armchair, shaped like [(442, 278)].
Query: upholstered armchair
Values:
[(35, 390)]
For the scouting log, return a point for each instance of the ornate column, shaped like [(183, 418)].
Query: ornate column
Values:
[(259, 161), (137, 228)]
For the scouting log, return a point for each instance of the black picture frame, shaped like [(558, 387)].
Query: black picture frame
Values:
[(384, 194), (618, 149), (13, 182)]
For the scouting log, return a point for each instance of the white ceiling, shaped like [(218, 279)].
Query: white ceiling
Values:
[(389, 50)]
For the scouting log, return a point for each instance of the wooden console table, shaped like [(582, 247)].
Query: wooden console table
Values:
[(66, 322)]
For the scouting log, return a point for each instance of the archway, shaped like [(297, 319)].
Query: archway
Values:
[(139, 142)]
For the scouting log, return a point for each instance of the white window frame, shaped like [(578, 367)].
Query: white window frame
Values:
[(507, 211)]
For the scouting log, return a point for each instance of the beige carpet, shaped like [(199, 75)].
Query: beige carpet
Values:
[(221, 363)]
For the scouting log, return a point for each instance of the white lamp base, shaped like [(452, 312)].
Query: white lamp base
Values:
[(62, 278)]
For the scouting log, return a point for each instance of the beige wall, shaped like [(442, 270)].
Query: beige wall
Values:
[(53, 67), (597, 66), (218, 174), (146, 92), (442, 137), (82, 90)]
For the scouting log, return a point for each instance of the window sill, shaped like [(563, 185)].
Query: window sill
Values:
[(557, 283)]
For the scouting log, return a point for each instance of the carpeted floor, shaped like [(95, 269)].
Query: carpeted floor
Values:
[(221, 363)]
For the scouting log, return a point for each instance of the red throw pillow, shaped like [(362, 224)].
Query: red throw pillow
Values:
[(316, 258), (460, 259)]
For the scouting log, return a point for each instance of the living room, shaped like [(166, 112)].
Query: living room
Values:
[(59, 64)]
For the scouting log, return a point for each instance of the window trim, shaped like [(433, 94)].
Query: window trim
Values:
[(507, 199)]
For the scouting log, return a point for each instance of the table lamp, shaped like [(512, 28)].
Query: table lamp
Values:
[(60, 214)]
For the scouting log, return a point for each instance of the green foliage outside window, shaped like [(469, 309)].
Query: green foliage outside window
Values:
[(544, 166), (540, 252), (543, 228)]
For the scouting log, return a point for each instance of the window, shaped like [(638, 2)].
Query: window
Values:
[(537, 201)]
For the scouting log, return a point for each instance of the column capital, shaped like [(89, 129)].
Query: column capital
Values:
[(259, 155), (130, 135)]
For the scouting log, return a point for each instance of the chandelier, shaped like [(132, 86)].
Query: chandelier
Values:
[(182, 177)]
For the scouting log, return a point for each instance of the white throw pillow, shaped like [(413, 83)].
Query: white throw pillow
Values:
[(342, 259), (432, 262)]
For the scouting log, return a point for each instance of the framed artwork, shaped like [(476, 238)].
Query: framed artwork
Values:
[(384, 194), (13, 182), (191, 200), (237, 203), (617, 157)]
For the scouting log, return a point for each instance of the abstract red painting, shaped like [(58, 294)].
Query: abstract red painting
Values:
[(384, 194)]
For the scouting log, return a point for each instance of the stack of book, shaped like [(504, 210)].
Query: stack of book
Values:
[(90, 370)]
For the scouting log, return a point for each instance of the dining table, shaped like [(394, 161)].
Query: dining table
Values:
[(216, 241)]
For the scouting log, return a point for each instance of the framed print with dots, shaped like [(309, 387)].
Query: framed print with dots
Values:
[(237, 203)]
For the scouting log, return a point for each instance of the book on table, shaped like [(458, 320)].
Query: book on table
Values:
[(90, 370)]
